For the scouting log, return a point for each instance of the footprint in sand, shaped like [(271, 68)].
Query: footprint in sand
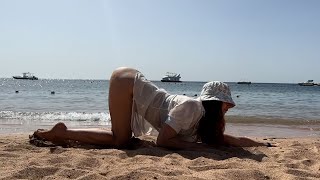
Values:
[(302, 173)]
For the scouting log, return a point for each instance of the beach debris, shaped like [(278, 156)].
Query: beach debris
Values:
[(52, 92), (266, 177), (269, 144), (17, 91)]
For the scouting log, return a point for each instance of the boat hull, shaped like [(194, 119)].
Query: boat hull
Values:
[(306, 84), (169, 81), (243, 82), (28, 78)]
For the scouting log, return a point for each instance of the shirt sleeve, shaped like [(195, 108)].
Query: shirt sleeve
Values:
[(183, 115)]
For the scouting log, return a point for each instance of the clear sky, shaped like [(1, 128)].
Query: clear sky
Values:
[(227, 40)]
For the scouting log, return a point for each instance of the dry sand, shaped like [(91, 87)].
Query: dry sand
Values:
[(293, 158)]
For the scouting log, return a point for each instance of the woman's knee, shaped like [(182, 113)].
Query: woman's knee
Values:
[(122, 81), (123, 73)]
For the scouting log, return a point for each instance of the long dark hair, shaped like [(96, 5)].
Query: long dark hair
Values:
[(212, 124)]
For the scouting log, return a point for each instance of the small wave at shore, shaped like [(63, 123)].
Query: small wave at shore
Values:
[(54, 116), (11, 116), (17, 122)]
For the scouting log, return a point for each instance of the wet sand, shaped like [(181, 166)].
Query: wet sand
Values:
[(235, 125)]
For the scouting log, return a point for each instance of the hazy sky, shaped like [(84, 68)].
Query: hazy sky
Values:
[(227, 40)]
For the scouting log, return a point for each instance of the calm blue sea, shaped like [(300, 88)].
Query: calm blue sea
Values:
[(26, 105)]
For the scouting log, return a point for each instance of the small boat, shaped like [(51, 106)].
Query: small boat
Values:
[(244, 82), (27, 76), (171, 77), (308, 83)]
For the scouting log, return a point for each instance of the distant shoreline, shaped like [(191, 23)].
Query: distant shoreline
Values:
[(183, 81)]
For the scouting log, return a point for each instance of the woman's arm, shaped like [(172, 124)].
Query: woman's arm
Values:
[(168, 138), (242, 142)]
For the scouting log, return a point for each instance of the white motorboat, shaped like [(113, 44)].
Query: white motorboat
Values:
[(308, 83), (27, 76), (171, 77)]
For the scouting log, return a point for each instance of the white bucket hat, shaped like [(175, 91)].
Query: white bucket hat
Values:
[(216, 90)]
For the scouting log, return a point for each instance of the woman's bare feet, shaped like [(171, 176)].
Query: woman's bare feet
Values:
[(55, 135)]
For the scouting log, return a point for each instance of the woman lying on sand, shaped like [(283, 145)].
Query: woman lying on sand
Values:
[(182, 122)]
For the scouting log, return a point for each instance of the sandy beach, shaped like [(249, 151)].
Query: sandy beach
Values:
[(293, 158)]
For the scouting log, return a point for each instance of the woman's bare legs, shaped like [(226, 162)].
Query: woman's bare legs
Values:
[(120, 107), (120, 104)]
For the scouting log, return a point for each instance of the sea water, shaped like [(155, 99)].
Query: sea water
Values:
[(26, 105)]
